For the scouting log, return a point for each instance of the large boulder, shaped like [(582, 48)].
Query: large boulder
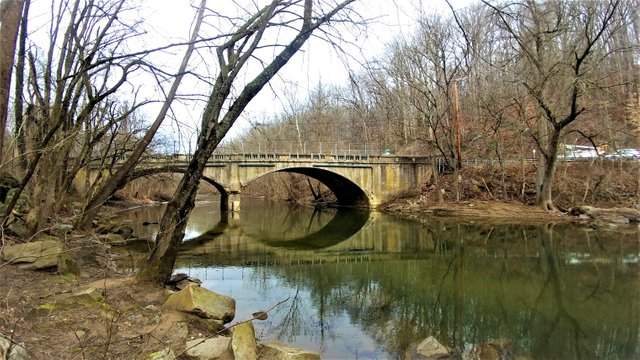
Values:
[(112, 239), (243, 342), (612, 216), (280, 351), (211, 348), (41, 255), (202, 302), (111, 227), (17, 227)]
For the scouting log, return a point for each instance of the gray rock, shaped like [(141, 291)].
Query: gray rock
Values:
[(9, 350), (427, 349), (87, 297), (280, 351), (8, 181), (176, 278), (125, 231), (61, 229), (183, 284), (172, 329), (22, 204), (212, 348), (243, 342), (18, 228), (37, 255), (67, 266), (152, 307), (501, 349), (202, 302)]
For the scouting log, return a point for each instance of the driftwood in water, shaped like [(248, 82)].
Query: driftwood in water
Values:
[(617, 215)]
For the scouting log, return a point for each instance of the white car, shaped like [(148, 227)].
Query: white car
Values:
[(624, 154), (580, 154)]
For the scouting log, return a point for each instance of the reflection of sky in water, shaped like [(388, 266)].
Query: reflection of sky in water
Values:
[(254, 292), (191, 233)]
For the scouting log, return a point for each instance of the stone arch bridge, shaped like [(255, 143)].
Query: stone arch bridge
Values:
[(356, 180)]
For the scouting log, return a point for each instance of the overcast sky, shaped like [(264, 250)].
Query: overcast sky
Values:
[(170, 21)]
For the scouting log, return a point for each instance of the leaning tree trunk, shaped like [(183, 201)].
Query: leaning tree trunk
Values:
[(174, 221)]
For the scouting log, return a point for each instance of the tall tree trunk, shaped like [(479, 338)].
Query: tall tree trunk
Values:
[(19, 90), (43, 194), (10, 14), (546, 198)]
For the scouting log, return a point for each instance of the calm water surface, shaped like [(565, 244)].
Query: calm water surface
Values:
[(367, 285)]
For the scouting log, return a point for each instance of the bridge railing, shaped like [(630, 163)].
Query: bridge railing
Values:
[(305, 147)]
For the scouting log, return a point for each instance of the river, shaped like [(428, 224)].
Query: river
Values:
[(367, 285)]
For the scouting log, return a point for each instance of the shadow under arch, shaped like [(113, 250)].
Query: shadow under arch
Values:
[(348, 193), (344, 224)]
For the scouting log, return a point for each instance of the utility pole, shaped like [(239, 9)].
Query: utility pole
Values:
[(456, 117)]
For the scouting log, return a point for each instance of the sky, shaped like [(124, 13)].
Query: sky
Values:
[(170, 21)]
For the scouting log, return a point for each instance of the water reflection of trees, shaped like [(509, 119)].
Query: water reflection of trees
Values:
[(555, 292), (484, 283)]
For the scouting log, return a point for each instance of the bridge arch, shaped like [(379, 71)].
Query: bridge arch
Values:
[(347, 192), (224, 193)]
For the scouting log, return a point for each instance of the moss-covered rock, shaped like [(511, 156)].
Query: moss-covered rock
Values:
[(211, 348), (202, 302), (243, 342), (88, 298), (37, 255)]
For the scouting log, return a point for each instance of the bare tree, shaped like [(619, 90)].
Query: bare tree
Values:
[(10, 15), (557, 45), (234, 54), (72, 109), (118, 179)]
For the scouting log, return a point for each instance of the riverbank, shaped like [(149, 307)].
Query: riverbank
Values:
[(507, 193)]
